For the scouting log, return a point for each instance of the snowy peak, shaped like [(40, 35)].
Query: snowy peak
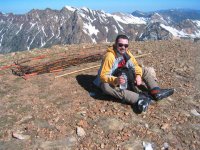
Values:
[(128, 19), (70, 8), (157, 18), (170, 24)]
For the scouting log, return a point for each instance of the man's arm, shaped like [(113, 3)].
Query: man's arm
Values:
[(138, 70), (106, 68)]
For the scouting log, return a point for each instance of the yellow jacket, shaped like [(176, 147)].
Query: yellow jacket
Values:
[(110, 64)]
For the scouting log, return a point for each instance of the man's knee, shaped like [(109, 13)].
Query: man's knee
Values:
[(149, 77), (149, 71), (145, 71), (105, 87)]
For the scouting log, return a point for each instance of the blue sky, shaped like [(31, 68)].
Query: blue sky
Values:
[(23, 6)]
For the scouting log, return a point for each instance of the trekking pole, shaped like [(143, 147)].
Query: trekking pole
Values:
[(76, 71)]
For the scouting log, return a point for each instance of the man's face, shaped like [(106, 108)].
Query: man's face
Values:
[(122, 46)]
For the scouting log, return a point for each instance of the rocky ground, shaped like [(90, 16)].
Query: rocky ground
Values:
[(44, 112)]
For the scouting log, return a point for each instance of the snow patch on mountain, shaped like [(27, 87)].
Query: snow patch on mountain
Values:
[(19, 29), (129, 19), (90, 29), (178, 33), (174, 31), (70, 8), (197, 23)]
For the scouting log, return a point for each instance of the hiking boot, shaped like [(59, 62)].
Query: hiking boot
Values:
[(143, 102), (161, 93)]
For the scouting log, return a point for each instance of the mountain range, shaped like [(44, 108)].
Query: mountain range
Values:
[(44, 28)]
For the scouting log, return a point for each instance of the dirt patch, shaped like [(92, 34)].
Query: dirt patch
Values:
[(55, 107)]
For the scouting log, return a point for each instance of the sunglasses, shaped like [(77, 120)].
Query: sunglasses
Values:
[(121, 45)]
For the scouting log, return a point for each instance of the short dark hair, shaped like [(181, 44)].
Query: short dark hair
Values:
[(121, 36)]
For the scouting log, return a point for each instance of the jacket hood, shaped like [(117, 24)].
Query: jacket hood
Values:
[(111, 49)]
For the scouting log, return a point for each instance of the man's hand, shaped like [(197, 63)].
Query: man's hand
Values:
[(138, 80), (120, 80)]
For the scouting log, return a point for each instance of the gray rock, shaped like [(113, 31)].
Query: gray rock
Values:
[(25, 119), (195, 113), (111, 124), (67, 144), (43, 124), (147, 146), (80, 132), (20, 136), (133, 144)]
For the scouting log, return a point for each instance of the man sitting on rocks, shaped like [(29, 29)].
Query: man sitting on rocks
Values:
[(120, 74)]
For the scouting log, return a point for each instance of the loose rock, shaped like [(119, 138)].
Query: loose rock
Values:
[(80, 132)]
